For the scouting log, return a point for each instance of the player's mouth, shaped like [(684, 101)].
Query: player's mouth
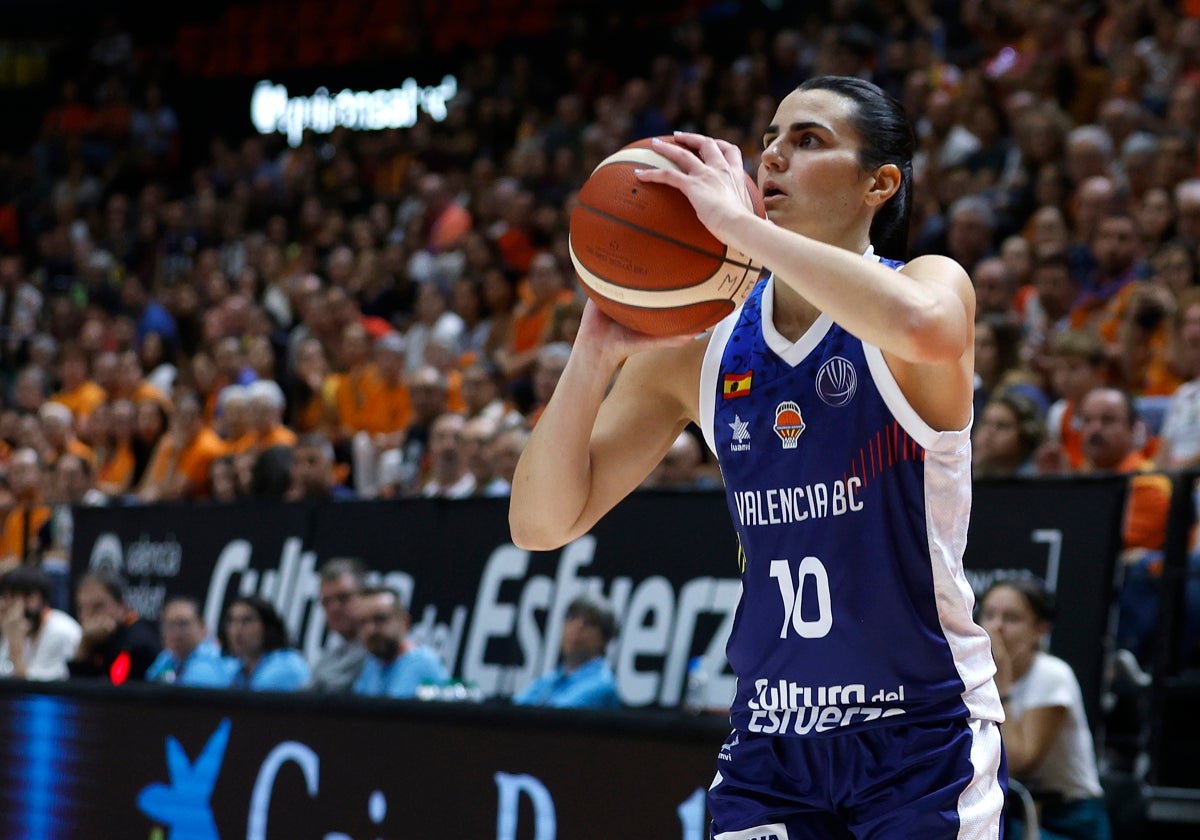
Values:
[(770, 190)]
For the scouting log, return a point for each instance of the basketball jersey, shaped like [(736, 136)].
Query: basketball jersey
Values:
[(852, 517)]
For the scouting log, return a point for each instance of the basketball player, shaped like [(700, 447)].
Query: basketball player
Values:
[(838, 402)]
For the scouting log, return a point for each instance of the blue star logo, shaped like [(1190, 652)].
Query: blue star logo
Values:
[(183, 805)]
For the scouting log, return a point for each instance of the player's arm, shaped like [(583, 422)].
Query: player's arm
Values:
[(922, 317), (588, 450)]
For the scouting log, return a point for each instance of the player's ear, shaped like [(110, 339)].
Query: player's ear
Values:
[(885, 183)]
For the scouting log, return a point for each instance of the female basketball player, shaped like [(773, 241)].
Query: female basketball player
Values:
[(838, 402)]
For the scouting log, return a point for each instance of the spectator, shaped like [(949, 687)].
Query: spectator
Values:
[(314, 472), (341, 661), (395, 667), (1179, 446), (550, 361), (30, 512), (1077, 366), (584, 679), (403, 471), (1006, 436), (77, 392), (258, 655), (682, 467), (995, 288), (117, 644), (179, 468), (504, 451), (266, 405), (58, 431), (36, 640), (449, 477), (189, 657), (115, 452), (1046, 735)]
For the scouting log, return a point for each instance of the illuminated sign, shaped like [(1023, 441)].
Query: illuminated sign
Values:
[(273, 110)]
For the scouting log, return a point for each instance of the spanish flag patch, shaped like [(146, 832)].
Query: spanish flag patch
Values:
[(737, 385)]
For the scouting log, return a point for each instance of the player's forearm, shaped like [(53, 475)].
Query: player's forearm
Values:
[(920, 317), (553, 479)]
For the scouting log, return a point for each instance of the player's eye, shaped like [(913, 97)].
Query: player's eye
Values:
[(808, 140)]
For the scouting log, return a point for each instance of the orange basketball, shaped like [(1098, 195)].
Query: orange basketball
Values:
[(645, 258)]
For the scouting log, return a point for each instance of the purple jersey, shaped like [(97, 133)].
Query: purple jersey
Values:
[(852, 516)]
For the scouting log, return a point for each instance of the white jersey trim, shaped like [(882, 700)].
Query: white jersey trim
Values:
[(929, 438)]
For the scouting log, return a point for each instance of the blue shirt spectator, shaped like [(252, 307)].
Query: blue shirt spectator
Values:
[(280, 670), (259, 655), (395, 667), (202, 668), (590, 686), (584, 680), (400, 677)]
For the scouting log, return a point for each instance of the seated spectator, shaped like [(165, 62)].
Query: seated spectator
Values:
[(449, 477), (1006, 436), (341, 661), (258, 655), (1046, 736), (36, 640), (116, 644), (18, 541), (682, 467), (505, 450), (395, 666), (189, 656), (58, 430), (266, 415), (179, 467), (314, 473), (584, 679)]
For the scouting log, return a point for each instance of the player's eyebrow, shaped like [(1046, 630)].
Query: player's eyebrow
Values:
[(773, 130)]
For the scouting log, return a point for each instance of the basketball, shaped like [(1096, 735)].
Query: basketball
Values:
[(643, 255)]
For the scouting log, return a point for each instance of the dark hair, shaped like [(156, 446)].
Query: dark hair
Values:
[(271, 474), (26, 580), (274, 635), (189, 600), (112, 582), (596, 612), (887, 137), (1032, 589)]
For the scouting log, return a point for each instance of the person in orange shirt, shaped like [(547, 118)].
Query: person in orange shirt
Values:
[(384, 411), (58, 430), (353, 383), (78, 392), (313, 399), (233, 419), (114, 473), (1077, 366), (180, 465), (131, 381), (19, 539), (547, 287), (266, 415), (1110, 444)]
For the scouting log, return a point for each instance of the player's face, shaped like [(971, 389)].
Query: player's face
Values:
[(809, 175)]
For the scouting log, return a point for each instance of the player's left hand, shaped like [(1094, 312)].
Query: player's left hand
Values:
[(711, 174)]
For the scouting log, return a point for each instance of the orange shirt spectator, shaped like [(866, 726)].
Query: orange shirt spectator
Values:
[(115, 475), (18, 541)]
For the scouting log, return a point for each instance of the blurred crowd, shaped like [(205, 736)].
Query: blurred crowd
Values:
[(384, 314)]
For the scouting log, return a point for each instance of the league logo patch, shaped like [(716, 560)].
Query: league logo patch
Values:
[(736, 385), (837, 381), (788, 423)]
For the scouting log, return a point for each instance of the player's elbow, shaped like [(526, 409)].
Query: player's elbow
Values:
[(932, 337), (533, 532)]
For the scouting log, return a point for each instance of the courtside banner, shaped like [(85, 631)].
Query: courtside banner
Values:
[(83, 760), (666, 561)]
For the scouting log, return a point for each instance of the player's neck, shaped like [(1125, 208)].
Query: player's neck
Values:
[(791, 314)]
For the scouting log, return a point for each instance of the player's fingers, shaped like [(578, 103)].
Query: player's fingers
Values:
[(732, 154), (651, 175), (682, 157)]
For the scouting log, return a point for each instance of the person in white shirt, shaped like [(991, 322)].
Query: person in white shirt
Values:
[(36, 641), (1046, 736)]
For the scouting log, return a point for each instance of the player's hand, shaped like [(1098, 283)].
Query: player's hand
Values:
[(615, 342), (711, 174), (14, 626)]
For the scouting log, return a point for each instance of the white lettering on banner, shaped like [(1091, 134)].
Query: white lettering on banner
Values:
[(511, 786), (264, 783), (787, 505), (272, 109), (669, 633)]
